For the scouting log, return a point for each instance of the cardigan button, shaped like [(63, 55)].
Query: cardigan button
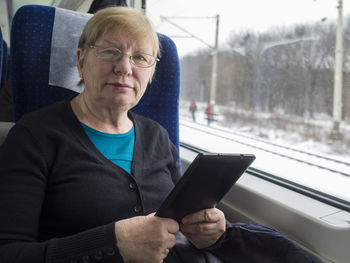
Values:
[(110, 251), (132, 185), (137, 208), (98, 255), (86, 259)]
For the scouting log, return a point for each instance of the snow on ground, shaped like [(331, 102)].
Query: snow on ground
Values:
[(323, 146), (319, 179)]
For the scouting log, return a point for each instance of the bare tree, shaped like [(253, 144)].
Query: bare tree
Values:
[(288, 70)]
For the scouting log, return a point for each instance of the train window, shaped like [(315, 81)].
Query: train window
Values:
[(265, 77), (9, 8), (271, 78)]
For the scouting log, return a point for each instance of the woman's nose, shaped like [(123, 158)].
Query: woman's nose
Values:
[(123, 65)]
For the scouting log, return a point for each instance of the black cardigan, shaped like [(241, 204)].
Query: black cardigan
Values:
[(60, 197)]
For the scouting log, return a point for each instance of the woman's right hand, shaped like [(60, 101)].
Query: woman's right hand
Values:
[(145, 238)]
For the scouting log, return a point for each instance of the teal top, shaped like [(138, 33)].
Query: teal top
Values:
[(118, 148)]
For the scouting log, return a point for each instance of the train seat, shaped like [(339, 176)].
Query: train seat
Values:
[(43, 66)]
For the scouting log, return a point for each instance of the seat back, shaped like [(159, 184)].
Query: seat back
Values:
[(43, 66)]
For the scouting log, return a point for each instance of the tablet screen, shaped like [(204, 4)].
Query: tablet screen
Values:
[(208, 178)]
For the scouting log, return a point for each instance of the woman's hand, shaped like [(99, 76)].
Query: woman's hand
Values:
[(204, 227), (145, 238)]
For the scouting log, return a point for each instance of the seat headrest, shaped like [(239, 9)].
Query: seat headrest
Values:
[(67, 28)]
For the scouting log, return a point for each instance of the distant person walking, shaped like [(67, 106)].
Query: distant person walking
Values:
[(209, 112), (193, 109)]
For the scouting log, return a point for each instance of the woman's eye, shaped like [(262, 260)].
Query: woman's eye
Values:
[(109, 52), (139, 57)]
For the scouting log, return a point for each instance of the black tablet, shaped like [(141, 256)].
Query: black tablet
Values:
[(208, 178)]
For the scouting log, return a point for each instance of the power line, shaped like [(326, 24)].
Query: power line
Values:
[(215, 48), (167, 19)]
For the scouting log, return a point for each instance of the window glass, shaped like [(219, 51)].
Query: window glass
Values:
[(276, 87), (18, 3)]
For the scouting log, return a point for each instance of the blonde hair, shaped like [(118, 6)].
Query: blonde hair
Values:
[(119, 19)]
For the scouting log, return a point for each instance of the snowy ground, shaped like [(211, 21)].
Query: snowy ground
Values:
[(322, 180), (318, 142), (323, 175)]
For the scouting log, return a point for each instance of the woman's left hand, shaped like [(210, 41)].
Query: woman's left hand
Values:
[(204, 227)]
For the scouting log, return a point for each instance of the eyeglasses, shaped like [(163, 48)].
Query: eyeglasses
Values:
[(112, 54)]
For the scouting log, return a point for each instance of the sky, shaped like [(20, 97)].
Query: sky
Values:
[(235, 16)]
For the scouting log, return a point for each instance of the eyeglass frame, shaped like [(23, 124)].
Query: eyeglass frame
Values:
[(123, 54)]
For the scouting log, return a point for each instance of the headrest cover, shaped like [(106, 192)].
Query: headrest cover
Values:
[(66, 32)]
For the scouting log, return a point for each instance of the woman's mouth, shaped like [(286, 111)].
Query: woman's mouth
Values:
[(120, 86)]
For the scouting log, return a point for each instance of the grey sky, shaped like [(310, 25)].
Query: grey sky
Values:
[(235, 15)]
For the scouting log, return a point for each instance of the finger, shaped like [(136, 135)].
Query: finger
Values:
[(203, 238), (172, 225), (202, 228), (165, 254), (170, 242), (206, 215)]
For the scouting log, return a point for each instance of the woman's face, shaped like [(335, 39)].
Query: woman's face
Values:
[(117, 85)]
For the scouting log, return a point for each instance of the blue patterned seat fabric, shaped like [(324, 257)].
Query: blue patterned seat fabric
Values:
[(31, 34)]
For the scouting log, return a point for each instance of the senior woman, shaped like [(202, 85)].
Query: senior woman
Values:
[(80, 180)]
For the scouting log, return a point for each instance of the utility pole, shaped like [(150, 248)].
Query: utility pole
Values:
[(214, 53), (338, 75), (214, 68)]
